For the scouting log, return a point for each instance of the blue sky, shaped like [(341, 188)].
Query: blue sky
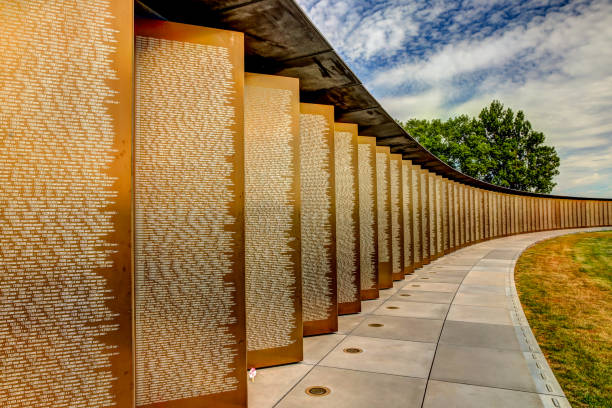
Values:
[(435, 59)]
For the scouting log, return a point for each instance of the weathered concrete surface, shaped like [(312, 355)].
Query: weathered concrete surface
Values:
[(451, 335)]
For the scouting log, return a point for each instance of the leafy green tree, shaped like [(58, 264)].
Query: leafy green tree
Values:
[(498, 147)]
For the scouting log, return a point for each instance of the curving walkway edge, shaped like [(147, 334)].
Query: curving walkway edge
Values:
[(453, 334)]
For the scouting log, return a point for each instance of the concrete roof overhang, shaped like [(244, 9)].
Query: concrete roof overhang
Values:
[(281, 40)]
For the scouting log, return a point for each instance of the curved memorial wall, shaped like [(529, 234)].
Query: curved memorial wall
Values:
[(169, 221)]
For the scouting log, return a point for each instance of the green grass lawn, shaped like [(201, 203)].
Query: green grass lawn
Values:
[(565, 286)]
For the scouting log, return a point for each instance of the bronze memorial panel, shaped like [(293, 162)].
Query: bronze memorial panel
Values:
[(446, 216), (432, 199), (368, 218), (347, 217), (189, 246), (272, 220), (318, 217), (66, 83), (451, 214), (425, 214), (408, 261), (439, 217), (417, 218), (456, 216), (397, 217), (383, 194), (460, 214)]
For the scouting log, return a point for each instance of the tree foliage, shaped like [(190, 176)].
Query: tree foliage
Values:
[(499, 147)]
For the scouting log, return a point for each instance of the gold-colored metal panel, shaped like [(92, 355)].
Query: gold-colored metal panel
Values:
[(505, 201), (272, 220), (445, 216), (439, 217), (425, 214), (541, 215), (450, 198), (528, 222), (491, 204), (347, 218), (66, 198), (417, 217), (189, 220), (577, 221), (407, 202), (471, 215), (536, 222), (467, 214), (383, 196), (462, 214), (522, 215), (477, 215), (433, 216), (575, 213), (549, 213), (397, 216), (486, 228), (500, 216), (517, 214), (508, 203), (368, 218), (318, 219)]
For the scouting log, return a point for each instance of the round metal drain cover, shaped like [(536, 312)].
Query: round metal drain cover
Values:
[(405, 294), (353, 350), (318, 391), (392, 307), (424, 278), (376, 325), (416, 286)]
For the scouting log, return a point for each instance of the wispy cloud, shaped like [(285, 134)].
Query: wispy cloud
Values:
[(551, 59)]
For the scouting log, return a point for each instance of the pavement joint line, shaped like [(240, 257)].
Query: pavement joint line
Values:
[(496, 388)]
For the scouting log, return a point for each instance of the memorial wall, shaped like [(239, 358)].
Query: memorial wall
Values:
[(189, 189), (368, 218), (318, 219), (65, 204), (347, 217), (383, 205), (272, 220), (242, 220)]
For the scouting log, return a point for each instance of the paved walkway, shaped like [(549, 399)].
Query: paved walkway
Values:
[(451, 335)]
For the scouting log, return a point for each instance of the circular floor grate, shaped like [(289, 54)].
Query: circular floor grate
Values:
[(392, 307), (318, 391), (405, 294), (353, 350), (376, 325)]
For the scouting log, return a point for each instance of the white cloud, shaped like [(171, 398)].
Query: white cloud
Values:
[(556, 67)]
